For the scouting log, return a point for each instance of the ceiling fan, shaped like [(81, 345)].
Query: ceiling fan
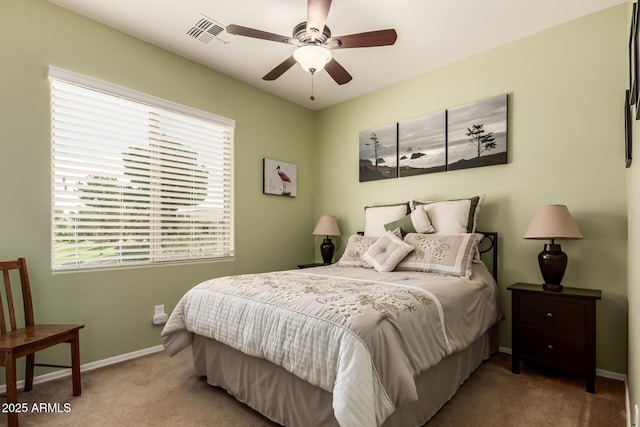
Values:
[(315, 43)]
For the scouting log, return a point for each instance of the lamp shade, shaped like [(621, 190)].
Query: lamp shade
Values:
[(552, 222), (312, 58), (327, 226)]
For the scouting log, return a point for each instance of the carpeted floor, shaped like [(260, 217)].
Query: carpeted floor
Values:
[(157, 390)]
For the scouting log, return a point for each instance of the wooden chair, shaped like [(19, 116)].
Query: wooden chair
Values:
[(17, 342)]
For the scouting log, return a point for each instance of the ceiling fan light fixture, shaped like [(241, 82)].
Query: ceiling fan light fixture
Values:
[(312, 57)]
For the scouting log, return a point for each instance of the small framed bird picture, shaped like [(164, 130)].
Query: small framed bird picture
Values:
[(279, 178)]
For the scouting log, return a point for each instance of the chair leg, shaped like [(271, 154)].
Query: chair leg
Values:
[(28, 376), (12, 392), (75, 364)]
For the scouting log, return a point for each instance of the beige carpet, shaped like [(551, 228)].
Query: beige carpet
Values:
[(157, 390)]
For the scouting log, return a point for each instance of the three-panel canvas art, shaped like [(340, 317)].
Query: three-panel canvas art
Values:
[(465, 136)]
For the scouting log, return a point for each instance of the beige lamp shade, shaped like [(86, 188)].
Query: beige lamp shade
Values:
[(327, 226), (552, 222)]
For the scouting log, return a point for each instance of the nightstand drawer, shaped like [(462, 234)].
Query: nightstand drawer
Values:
[(564, 351), (556, 316)]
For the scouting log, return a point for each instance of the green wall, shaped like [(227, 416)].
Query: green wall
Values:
[(116, 306), (566, 93), (565, 87)]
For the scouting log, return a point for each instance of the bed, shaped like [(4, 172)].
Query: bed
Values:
[(348, 344)]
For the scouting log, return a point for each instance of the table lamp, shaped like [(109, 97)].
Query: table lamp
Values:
[(327, 226), (552, 222)]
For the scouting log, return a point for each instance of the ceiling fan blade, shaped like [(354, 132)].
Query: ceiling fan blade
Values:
[(317, 11), (337, 72), (368, 39), (280, 69), (258, 34)]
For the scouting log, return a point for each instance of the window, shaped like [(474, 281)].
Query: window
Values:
[(136, 179)]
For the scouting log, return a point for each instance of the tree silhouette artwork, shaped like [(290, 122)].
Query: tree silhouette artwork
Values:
[(483, 140), (375, 144)]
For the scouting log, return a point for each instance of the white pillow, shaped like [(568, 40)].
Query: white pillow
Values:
[(450, 255), (375, 217), (452, 216), (387, 252)]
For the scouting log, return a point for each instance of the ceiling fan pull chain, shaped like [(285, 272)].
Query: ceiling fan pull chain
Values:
[(313, 72)]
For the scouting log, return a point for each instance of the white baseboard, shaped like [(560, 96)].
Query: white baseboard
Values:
[(627, 404), (613, 375), (599, 372), (89, 366)]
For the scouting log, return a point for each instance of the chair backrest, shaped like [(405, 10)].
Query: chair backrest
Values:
[(13, 269)]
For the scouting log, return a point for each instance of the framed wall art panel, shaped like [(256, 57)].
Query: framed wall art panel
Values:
[(279, 178), (477, 133), (379, 153), (628, 125), (422, 144), (633, 57)]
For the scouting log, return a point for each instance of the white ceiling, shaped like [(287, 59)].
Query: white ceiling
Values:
[(431, 34)]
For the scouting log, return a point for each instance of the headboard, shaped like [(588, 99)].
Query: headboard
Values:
[(489, 243)]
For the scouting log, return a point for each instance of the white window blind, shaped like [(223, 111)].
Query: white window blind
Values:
[(136, 179)]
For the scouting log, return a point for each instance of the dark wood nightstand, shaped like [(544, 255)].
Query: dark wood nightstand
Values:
[(557, 329)]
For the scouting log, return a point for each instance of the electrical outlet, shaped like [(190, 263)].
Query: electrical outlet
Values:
[(159, 309)]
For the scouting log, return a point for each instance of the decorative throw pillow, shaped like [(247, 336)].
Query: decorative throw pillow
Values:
[(452, 216), (416, 222), (450, 255), (357, 246), (375, 217), (387, 252)]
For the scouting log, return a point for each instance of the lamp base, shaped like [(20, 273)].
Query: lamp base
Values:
[(326, 249), (553, 263), (550, 287)]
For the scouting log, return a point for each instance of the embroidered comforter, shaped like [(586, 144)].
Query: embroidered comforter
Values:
[(357, 333)]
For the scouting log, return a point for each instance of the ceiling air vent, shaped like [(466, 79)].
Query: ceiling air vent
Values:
[(209, 32)]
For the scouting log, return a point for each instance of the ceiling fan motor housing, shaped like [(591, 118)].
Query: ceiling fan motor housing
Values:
[(300, 33)]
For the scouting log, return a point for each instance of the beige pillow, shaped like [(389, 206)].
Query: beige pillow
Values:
[(450, 255), (357, 246), (387, 252)]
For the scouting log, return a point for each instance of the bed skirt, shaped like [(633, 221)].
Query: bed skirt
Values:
[(290, 401)]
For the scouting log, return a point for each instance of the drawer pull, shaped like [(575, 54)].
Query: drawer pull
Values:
[(550, 315), (550, 347)]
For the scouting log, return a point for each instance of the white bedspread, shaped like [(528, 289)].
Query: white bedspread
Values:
[(357, 333)]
